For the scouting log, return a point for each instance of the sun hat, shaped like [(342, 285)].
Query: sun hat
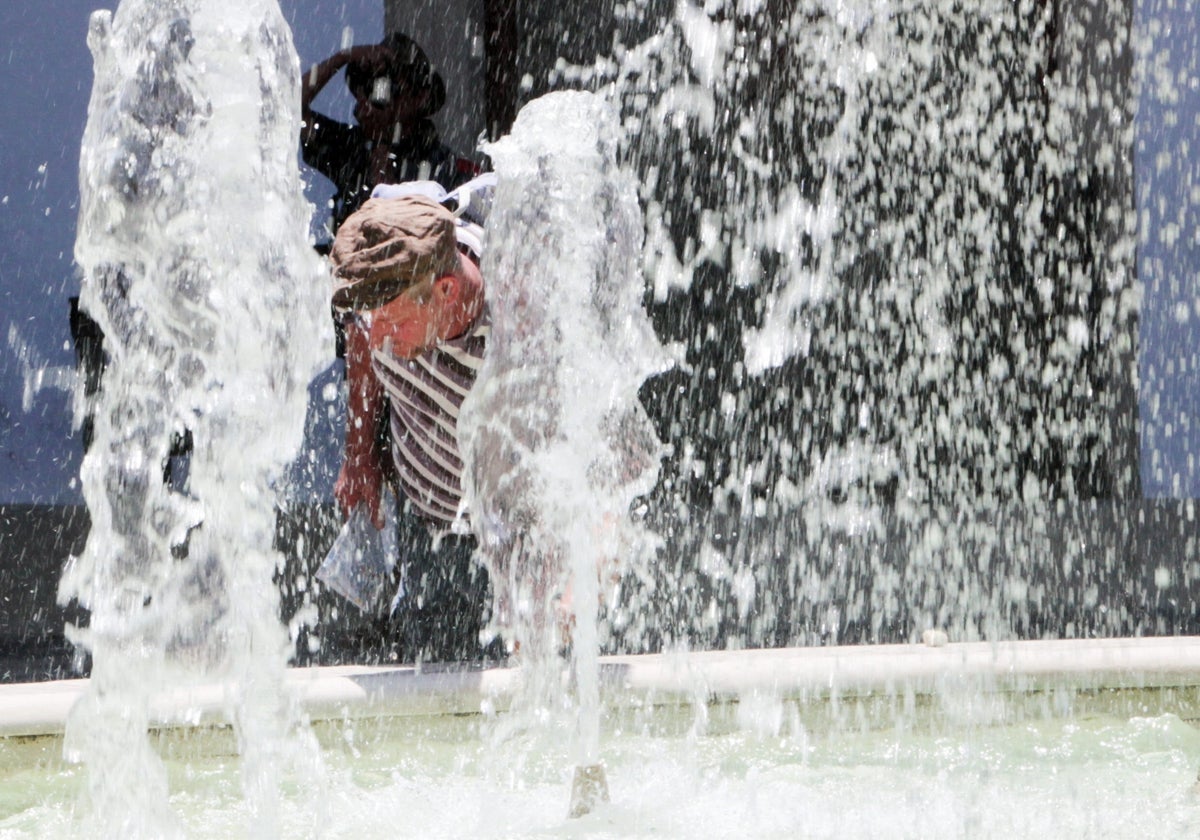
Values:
[(388, 245)]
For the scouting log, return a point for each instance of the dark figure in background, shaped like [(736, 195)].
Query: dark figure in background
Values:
[(396, 91)]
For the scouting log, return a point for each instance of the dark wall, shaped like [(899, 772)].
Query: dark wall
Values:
[(35, 541), (865, 591)]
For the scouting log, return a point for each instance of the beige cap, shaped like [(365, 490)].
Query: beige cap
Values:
[(389, 244)]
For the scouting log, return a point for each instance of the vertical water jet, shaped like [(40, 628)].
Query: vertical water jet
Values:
[(557, 444), (192, 239)]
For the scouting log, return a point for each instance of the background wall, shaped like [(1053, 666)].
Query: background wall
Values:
[(451, 33), (46, 74), (1167, 172)]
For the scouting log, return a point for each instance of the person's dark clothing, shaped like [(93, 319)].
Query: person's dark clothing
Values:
[(341, 153), (445, 604), (446, 601)]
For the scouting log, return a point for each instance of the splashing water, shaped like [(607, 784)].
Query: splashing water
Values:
[(192, 242), (557, 444), (897, 241)]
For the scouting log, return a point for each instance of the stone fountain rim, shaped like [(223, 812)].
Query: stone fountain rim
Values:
[(812, 674)]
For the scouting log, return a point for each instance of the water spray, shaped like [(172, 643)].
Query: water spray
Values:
[(193, 245), (557, 444)]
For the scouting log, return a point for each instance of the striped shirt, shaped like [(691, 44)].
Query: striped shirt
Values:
[(425, 395)]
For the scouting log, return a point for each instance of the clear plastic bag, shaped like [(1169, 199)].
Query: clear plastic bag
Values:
[(359, 564)]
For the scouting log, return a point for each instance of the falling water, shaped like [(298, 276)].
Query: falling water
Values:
[(557, 443), (192, 243), (896, 241)]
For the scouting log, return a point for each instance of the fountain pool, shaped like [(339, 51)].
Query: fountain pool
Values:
[(1088, 738), (438, 777)]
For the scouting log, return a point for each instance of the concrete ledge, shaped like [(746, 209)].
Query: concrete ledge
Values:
[(869, 669), (814, 675)]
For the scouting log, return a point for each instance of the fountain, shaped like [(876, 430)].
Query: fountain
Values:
[(890, 245), (909, 300), (192, 243), (560, 448)]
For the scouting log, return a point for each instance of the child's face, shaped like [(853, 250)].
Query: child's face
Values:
[(405, 326)]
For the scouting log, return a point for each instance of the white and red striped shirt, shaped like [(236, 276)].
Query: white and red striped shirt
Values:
[(425, 395)]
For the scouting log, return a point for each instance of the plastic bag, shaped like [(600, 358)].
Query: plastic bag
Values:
[(359, 564)]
